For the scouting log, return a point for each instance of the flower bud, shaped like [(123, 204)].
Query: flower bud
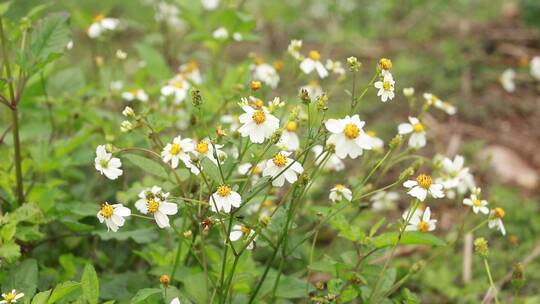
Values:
[(385, 64), (276, 136), (187, 233), (126, 126), (396, 141), (518, 279), (304, 96), (128, 112), (481, 247), (255, 85), (408, 92), (354, 64), (416, 267), (406, 173), (322, 101), (165, 280)]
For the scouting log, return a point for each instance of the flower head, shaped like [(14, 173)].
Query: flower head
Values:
[(258, 124), (348, 137), (177, 87), (507, 80), (178, 150), (241, 231), (154, 201), (422, 186), (281, 168), (101, 25), (495, 220), (113, 215), (340, 192), (385, 87), (313, 63), (418, 132), (224, 199), (11, 297), (106, 164), (420, 221), (136, 94), (289, 140), (476, 203), (266, 73)]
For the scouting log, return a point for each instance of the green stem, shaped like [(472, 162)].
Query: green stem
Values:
[(491, 283)]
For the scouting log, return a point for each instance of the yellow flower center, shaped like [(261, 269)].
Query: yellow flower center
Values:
[(279, 160), (104, 163), (313, 83), (418, 127), (257, 103), (423, 226), (351, 131), (202, 147), (278, 65), (178, 84), (291, 126), (191, 66), (424, 181), (224, 190), (477, 202), (268, 203), (259, 117), (339, 187), (106, 210), (152, 205), (258, 60), (499, 213), (99, 17), (314, 55), (385, 63), (245, 230), (387, 85), (175, 149)]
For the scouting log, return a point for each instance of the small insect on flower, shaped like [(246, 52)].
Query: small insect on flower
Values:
[(154, 201), (258, 124), (535, 67), (333, 162), (136, 94), (241, 231), (106, 164), (507, 80), (313, 63), (101, 25), (495, 220), (385, 87), (417, 139), (281, 168), (348, 137), (113, 215), (264, 72), (224, 199), (382, 201), (476, 203), (422, 186), (289, 140), (178, 150), (420, 221), (340, 192), (11, 297)]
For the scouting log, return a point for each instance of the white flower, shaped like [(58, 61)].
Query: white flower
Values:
[(507, 80), (11, 297), (348, 137), (408, 92), (69, 45), (453, 171), (154, 201), (177, 87), (205, 149), (313, 89), (179, 149), (535, 67), (113, 215), (313, 63), (168, 13), (333, 163), (136, 94), (191, 72), (266, 73), (224, 199), (258, 124), (281, 168), (289, 141), (423, 185), (275, 103), (106, 164), (121, 54), (210, 4), (376, 142), (220, 33), (175, 301), (116, 85), (102, 24), (335, 67), (294, 49), (239, 231), (340, 192), (435, 101), (477, 204), (386, 87), (418, 136), (420, 221), (495, 220), (237, 36), (383, 200)]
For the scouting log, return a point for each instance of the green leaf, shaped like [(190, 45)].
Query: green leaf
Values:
[(24, 277), (10, 251), (147, 165), (50, 38), (62, 290), (42, 297), (155, 63), (144, 294), (140, 236), (211, 170), (408, 238), (195, 286), (90, 284)]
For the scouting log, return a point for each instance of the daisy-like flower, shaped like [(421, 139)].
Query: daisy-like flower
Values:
[(278, 164), (220, 33), (101, 25), (264, 72), (420, 221), (476, 203), (385, 87), (294, 49), (113, 215), (258, 124), (178, 150), (191, 72), (333, 163), (453, 171), (382, 201), (507, 80), (495, 220), (137, 94), (106, 164), (11, 297), (210, 4), (289, 140), (154, 201), (205, 149), (340, 192), (348, 137), (313, 89), (313, 63), (224, 199), (535, 67), (335, 67), (422, 186), (177, 87), (417, 139), (376, 142), (241, 231)]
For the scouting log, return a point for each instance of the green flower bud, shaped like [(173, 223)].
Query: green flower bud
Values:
[(481, 247)]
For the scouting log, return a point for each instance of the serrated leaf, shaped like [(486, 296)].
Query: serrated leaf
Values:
[(50, 38), (24, 277), (90, 284), (42, 297), (62, 290), (147, 165), (144, 294), (408, 238)]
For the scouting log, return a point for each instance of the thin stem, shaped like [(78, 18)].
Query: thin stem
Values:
[(495, 290)]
